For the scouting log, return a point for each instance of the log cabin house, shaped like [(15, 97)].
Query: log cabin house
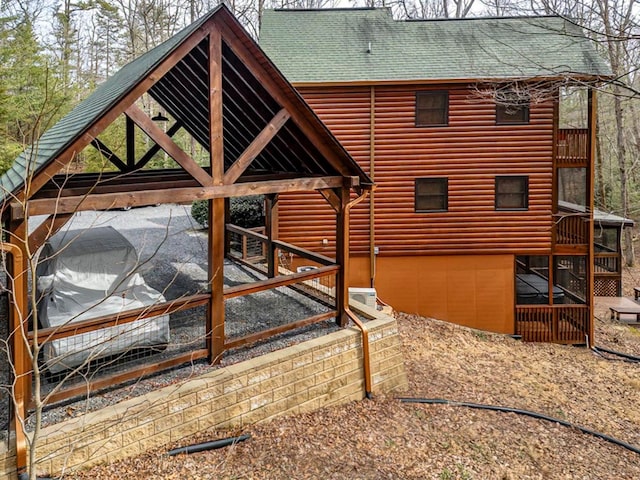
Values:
[(215, 83), (474, 217)]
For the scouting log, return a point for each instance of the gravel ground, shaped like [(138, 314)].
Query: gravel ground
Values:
[(385, 439), (173, 259)]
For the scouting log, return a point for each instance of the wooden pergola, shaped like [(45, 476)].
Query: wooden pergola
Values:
[(262, 138)]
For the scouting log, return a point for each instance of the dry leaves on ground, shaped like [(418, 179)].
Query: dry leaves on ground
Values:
[(386, 439)]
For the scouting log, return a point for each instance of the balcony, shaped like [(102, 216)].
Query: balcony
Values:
[(572, 147)]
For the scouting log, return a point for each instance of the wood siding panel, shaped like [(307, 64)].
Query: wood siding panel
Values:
[(307, 219), (470, 151), (472, 290)]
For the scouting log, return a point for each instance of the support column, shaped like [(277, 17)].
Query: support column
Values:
[(215, 318), (271, 226), (342, 256), (227, 219), (18, 328), (592, 115)]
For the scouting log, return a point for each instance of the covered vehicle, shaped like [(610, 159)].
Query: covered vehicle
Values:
[(85, 274)]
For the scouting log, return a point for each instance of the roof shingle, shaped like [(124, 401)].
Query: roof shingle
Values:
[(368, 45)]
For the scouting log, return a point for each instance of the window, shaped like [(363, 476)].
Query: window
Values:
[(431, 194), (512, 108), (512, 193), (432, 109)]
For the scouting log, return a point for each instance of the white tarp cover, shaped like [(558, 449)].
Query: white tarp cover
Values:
[(84, 274)]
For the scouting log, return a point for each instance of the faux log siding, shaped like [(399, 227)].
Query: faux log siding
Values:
[(470, 151), (307, 219)]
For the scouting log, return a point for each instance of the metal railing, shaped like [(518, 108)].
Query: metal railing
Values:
[(312, 291), (317, 284)]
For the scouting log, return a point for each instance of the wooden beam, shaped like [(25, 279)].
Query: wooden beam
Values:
[(122, 318), (215, 320), (254, 149), (168, 145), (342, 257), (217, 206), (156, 148), (299, 114), (331, 197), (131, 143), (103, 122), (270, 203), (135, 373), (108, 201), (108, 154), (280, 281), (47, 229), (256, 337), (216, 144)]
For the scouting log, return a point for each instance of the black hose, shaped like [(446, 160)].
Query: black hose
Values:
[(201, 447), (540, 416), (619, 354)]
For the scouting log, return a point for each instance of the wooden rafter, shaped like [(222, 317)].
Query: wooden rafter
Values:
[(47, 229), (275, 90), (109, 117), (156, 148), (332, 197), (108, 154), (256, 146), (151, 197), (168, 145), (131, 143)]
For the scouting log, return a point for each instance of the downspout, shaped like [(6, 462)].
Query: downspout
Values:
[(366, 360), (19, 406)]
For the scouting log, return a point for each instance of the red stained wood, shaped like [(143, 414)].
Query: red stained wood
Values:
[(470, 151), (168, 145), (256, 146)]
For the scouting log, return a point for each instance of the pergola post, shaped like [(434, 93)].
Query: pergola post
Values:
[(271, 222), (18, 328), (215, 320), (342, 256), (591, 153)]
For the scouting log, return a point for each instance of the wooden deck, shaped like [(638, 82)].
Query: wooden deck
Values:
[(622, 309)]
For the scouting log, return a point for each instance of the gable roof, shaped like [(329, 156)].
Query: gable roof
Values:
[(183, 91), (368, 45)]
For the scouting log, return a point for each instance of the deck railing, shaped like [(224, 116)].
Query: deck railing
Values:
[(553, 323), (572, 147), (571, 229), (317, 283), (249, 247), (245, 247)]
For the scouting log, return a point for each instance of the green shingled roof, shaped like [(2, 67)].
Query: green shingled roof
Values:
[(332, 46), (55, 140)]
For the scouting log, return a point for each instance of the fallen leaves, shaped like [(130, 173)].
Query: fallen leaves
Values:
[(385, 439)]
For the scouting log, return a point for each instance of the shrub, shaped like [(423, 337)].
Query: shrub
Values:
[(246, 212), (200, 212)]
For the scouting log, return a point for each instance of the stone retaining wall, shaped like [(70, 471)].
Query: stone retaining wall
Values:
[(321, 372)]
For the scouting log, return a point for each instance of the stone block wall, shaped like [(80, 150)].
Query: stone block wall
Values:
[(317, 373), (7, 460)]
